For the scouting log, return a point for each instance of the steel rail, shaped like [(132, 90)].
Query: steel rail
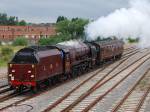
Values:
[(128, 94), (97, 85), (100, 97), (137, 109)]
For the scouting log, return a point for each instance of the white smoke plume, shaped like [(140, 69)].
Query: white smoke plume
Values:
[(72, 43), (133, 21)]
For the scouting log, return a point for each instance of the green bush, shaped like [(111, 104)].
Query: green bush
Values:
[(2, 62), (6, 58), (44, 41), (20, 41), (5, 51), (53, 39), (6, 54), (131, 40)]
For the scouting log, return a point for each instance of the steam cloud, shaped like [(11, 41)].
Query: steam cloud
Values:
[(133, 21), (72, 43)]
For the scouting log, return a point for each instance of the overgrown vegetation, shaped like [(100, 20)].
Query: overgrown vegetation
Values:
[(54, 39), (6, 51), (20, 41), (5, 54), (11, 20)]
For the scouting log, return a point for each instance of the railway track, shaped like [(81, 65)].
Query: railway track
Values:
[(130, 51), (9, 95), (103, 92), (129, 48), (2, 76), (134, 98), (32, 96), (72, 98), (140, 106), (145, 105), (4, 89), (102, 96), (3, 81), (3, 86)]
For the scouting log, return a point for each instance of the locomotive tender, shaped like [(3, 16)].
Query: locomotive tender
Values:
[(34, 65)]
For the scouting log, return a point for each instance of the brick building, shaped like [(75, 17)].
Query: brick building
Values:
[(8, 33)]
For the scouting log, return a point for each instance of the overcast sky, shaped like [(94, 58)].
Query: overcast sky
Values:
[(48, 10)]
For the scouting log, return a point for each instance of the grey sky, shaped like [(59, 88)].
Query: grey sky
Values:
[(49, 10)]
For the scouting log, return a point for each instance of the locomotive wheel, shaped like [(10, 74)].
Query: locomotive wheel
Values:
[(34, 89), (11, 87), (19, 89), (80, 71), (55, 80), (74, 73), (68, 75), (52, 81), (120, 55), (47, 82)]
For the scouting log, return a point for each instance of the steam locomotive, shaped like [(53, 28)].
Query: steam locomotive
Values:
[(34, 65)]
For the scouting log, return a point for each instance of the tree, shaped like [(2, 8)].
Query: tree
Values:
[(74, 19), (61, 18), (79, 26), (3, 19), (22, 23), (12, 20), (74, 27), (63, 26)]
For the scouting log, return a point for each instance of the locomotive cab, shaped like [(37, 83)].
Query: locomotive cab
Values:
[(21, 69)]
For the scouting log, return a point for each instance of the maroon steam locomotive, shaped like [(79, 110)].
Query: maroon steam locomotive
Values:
[(34, 65)]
